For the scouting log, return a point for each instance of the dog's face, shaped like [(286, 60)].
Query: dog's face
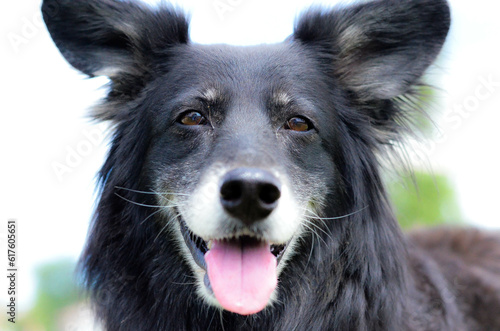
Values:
[(238, 151), (246, 148)]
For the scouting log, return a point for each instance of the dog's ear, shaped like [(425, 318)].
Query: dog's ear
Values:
[(378, 49), (118, 39)]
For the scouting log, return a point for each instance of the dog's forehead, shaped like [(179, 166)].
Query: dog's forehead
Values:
[(273, 67), (242, 59)]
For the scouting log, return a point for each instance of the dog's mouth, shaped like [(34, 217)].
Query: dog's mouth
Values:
[(199, 247), (241, 272)]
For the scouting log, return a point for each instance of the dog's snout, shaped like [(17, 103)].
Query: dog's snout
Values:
[(249, 194)]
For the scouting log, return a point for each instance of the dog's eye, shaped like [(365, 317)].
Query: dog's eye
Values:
[(300, 124), (192, 118)]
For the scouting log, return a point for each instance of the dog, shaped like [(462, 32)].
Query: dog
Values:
[(242, 189)]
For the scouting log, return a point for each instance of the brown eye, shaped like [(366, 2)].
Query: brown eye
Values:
[(192, 118), (298, 124)]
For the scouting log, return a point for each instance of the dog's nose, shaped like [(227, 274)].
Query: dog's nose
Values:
[(249, 194)]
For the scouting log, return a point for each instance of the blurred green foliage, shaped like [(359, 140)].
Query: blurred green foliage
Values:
[(424, 200), (56, 290)]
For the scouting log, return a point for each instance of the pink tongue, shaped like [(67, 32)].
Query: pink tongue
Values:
[(242, 276)]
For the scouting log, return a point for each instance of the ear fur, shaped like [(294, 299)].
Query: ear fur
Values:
[(118, 39), (377, 49)]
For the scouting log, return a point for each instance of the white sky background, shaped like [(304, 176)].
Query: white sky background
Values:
[(43, 107)]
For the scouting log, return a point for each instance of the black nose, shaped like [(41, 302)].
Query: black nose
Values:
[(249, 194)]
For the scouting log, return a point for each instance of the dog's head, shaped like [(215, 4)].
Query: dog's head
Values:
[(246, 149)]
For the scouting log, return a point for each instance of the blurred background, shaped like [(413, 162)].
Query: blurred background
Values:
[(51, 151)]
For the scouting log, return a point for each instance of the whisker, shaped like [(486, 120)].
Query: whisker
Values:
[(310, 254), (347, 215), (137, 203), (316, 216), (135, 191), (150, 192), (170, 220), (173, 193), (160, 232), (317, 226), (315, 237), (186, 283), (221, 320), (149, 206), (211, 320), (151, 215), (311, 226)]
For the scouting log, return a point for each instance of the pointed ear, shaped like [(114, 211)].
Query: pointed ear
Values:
[(378, 49), (118, 39)]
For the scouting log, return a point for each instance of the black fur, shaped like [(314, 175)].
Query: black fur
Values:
[(352, 66)]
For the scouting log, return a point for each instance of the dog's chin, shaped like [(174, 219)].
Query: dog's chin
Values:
[(196, 248)]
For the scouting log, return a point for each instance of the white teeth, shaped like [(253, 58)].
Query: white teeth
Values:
[(209, 244)]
